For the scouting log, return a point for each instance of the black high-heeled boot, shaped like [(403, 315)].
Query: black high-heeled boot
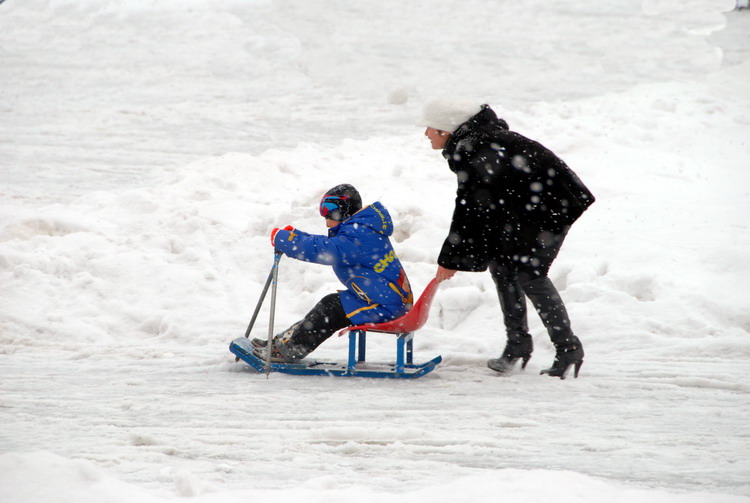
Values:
[(519, 346), (565, 357)]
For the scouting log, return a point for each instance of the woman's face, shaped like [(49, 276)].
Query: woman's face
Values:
[(438, 138)]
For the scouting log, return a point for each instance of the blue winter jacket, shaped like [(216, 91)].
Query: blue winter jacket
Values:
[(363, 259)]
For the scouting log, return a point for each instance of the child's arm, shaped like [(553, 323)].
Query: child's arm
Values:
[(315, 248)]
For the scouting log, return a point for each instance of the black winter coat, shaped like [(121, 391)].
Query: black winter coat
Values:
[(513, 194)]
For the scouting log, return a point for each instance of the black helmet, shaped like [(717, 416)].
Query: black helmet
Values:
[(340, 202)]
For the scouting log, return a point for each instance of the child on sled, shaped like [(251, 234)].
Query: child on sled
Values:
[(359, 250)]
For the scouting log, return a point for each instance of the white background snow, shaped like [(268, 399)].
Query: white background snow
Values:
[(148, 148)]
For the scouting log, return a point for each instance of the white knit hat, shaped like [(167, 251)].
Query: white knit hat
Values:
[(446, 114)]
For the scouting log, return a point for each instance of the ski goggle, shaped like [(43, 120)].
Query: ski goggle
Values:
[(330, 205)]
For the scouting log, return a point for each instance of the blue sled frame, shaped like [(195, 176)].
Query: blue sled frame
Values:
[(356, 366)]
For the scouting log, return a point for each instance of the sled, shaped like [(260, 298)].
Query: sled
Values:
[(356, 365)]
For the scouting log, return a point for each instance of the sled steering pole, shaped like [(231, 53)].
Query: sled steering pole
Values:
[(277, 256), (274, 276), (260, 301)]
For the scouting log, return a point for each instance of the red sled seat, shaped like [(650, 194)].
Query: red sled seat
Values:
[(404, 328)]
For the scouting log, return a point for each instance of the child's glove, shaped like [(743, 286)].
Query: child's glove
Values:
[(273, 233)]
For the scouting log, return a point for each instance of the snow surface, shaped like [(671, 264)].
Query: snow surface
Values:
[(148, 148)]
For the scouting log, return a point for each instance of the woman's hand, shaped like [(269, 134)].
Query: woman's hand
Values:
[(443, 273)]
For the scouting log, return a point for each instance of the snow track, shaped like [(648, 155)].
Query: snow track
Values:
[(149, 147)]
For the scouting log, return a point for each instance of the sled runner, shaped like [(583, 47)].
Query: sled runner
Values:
[(356, 366)]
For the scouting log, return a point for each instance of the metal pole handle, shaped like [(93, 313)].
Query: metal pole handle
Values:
[(260, 303), (274, 285)]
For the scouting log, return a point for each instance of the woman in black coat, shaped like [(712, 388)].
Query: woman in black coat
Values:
[(515, 202)]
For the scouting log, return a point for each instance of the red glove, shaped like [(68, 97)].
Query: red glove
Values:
[(273, 233)]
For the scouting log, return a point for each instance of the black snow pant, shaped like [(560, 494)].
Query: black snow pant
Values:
[(527, 277), (320, 323)]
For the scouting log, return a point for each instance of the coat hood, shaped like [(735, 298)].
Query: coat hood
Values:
[(374, 216), (480, 128)]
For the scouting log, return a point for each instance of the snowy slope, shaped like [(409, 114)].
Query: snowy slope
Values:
[(149, 147)]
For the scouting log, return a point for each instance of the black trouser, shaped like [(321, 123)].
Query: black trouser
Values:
[(527, 277), (320, 323)]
